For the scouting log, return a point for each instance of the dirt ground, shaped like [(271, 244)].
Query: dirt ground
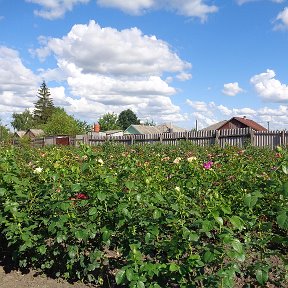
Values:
[(16, 279)]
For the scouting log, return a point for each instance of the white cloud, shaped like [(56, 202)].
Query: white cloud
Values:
[(53, 9), (269, 88), (282, 19), (240, 2), (109, 51), (208, 113), (17, 83), (232, 89), (190, 8), (113, 70)]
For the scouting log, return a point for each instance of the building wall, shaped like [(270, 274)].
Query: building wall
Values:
[(233, 124)]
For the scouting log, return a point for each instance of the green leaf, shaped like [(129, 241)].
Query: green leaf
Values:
[(237, 246), (237, 222), (156, 214), (140, 284), (173, 267), (120, 277), (101, 196), (282, 220), (2, 192), (262, 276), (129, 274), (250, 200), (285, 169), (208, 256), (92, 211), (130, 185), (75, 187), (285, 190)]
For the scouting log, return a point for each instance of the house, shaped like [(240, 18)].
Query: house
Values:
[(145, 129), (234, 123), (19, 134), (114, 133), (34, 133)]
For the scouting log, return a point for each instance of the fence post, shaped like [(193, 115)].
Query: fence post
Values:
[(282, 138), (217, 135), (252, 136), (161, 138), (132, 139)]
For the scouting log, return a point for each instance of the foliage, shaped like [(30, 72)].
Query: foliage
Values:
[(109, 122), (148, 216), (127, 118), (44, 106), (23, 121), (4, 133), (149, 123), (60, 123), (84, 127)]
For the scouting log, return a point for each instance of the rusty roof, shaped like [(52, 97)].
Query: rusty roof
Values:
[(248, 122)]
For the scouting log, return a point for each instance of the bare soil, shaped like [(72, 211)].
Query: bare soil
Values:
[(31, 279)]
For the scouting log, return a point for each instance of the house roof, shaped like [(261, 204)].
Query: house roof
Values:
[(165, 127), (250, 123), (20, 133), (144, 129), (247, 122), (35, 132), (215, 126)]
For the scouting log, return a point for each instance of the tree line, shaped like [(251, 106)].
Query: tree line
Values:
[(55, 121)]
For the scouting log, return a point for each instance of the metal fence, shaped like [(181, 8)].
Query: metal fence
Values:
[(230, 137)]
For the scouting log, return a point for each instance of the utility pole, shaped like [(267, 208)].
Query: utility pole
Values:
[(196, 125), (268, 122)]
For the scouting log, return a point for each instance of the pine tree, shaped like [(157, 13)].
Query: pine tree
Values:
[(44, 106)]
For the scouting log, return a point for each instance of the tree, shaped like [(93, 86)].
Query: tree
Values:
[(149, 123), (44, 106), (108, 122), (60, 123), (127, 118), (83, 126), (23, 121), (4, 133)]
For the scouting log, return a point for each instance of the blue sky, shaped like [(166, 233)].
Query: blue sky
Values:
[(169, 61)]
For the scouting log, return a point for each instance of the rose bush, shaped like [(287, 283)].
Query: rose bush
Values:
[(148, 216)]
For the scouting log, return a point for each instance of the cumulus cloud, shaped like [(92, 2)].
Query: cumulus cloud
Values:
[(232, 89), (240, 2), (17, 83), (109, 51), (282, 19), (269, 88), (208, 113), (54, 9), (113, 70), (190, 8)]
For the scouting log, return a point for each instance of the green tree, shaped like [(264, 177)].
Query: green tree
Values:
[(109, 122), (127, 118), (4, 133), (60, 123), (23, 121), (83, 126), (149, 123), (44, 106)]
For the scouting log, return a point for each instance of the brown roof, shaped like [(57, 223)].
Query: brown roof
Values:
[(215, 126), (249, 123)]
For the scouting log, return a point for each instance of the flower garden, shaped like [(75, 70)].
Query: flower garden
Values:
[(148, 216)]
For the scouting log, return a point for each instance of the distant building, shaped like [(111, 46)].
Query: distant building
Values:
[(34, 133), (19, 134), (234, 123), (145, 129)]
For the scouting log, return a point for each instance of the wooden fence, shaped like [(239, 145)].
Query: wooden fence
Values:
[(232, 137)]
